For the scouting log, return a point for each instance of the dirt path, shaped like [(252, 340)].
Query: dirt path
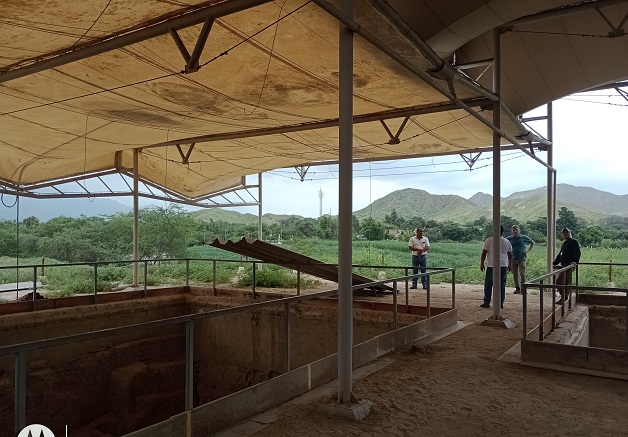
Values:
[(457, 387)]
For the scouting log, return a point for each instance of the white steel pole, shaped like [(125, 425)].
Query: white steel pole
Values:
[(136, 219), (259, 214), (345, 194), (497, 299), (551, 190)]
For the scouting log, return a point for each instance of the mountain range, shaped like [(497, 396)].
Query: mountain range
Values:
[(45, 209), (587, 203)]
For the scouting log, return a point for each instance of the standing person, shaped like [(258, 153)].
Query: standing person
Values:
[(569, 254), (419, 245), (505, 260), (519, 254)]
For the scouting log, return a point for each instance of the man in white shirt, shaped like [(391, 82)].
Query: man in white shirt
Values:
[(419, 245), (505, 261)]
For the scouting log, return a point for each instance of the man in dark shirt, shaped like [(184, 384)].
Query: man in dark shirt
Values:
[(569, 254)]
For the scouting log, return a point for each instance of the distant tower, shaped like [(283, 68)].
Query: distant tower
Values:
[(320, 202)]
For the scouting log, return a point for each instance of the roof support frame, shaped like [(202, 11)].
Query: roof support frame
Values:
[(302, 171), (391, 13), (560, 12), (168, 195), (615, 31), (394, 139), (185, 157), (191, 61), (537, 146), (470, 160), (130, 37), (375, 116)]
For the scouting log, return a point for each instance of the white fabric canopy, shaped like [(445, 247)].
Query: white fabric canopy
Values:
[(265, 95)]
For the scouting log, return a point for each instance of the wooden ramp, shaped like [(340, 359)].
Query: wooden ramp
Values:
[(286, 258)]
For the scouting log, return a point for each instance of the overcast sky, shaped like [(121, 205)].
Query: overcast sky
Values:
[(590, 149)]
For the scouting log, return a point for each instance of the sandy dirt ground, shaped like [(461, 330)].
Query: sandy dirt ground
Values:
[(458, 387)]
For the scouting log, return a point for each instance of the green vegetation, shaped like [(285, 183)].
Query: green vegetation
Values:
[(167, 233)]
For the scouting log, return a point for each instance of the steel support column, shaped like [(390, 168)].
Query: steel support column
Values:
[(136, 218), (345, 195), (551, 192), (497, 298), (259, 214), (20, 391)]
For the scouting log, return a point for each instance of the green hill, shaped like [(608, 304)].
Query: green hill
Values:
[(229, 216), (587, 203)]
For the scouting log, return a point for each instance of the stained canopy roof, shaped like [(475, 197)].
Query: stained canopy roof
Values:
[(84, 84)]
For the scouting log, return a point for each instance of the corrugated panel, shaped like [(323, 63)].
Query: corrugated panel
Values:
[(286, 258)]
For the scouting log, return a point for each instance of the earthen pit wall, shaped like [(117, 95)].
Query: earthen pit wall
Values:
[(253, 339), (607, 325), (88, 369), (83, 373), (603, 354)]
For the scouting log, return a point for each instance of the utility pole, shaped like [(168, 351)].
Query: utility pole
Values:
[(320, 202)]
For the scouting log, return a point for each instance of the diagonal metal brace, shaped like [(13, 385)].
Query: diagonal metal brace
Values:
[(302, 171), (191, 61), (470, 160), (185, 157), (394, 139), (616, 32)]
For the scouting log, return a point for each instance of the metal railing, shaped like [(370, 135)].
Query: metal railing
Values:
[(548, 281), (20, 350), (255, 264)]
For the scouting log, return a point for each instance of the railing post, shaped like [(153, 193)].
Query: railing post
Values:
[(254, 278), (285, 349), (567, 296), (145, 277), (429, 310), (395, 305), (453, 289), (298, 279), (34, 288), (524, 292), (189, 365), (20, 391), (626, 346), (214, 277), (577, 283), (187, 272), (542, 316), (406, 275), (95, 283), (560, 291)]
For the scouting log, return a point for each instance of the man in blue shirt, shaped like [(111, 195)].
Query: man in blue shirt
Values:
[(519, 254)]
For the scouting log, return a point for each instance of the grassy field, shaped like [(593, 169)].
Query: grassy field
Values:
[(464, 257)]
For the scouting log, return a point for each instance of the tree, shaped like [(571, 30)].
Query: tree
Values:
[(536, 229), (164, 232), (328, 227), (591, 236), (566, 219), (355, 224), (372, 229), (394, 219)]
